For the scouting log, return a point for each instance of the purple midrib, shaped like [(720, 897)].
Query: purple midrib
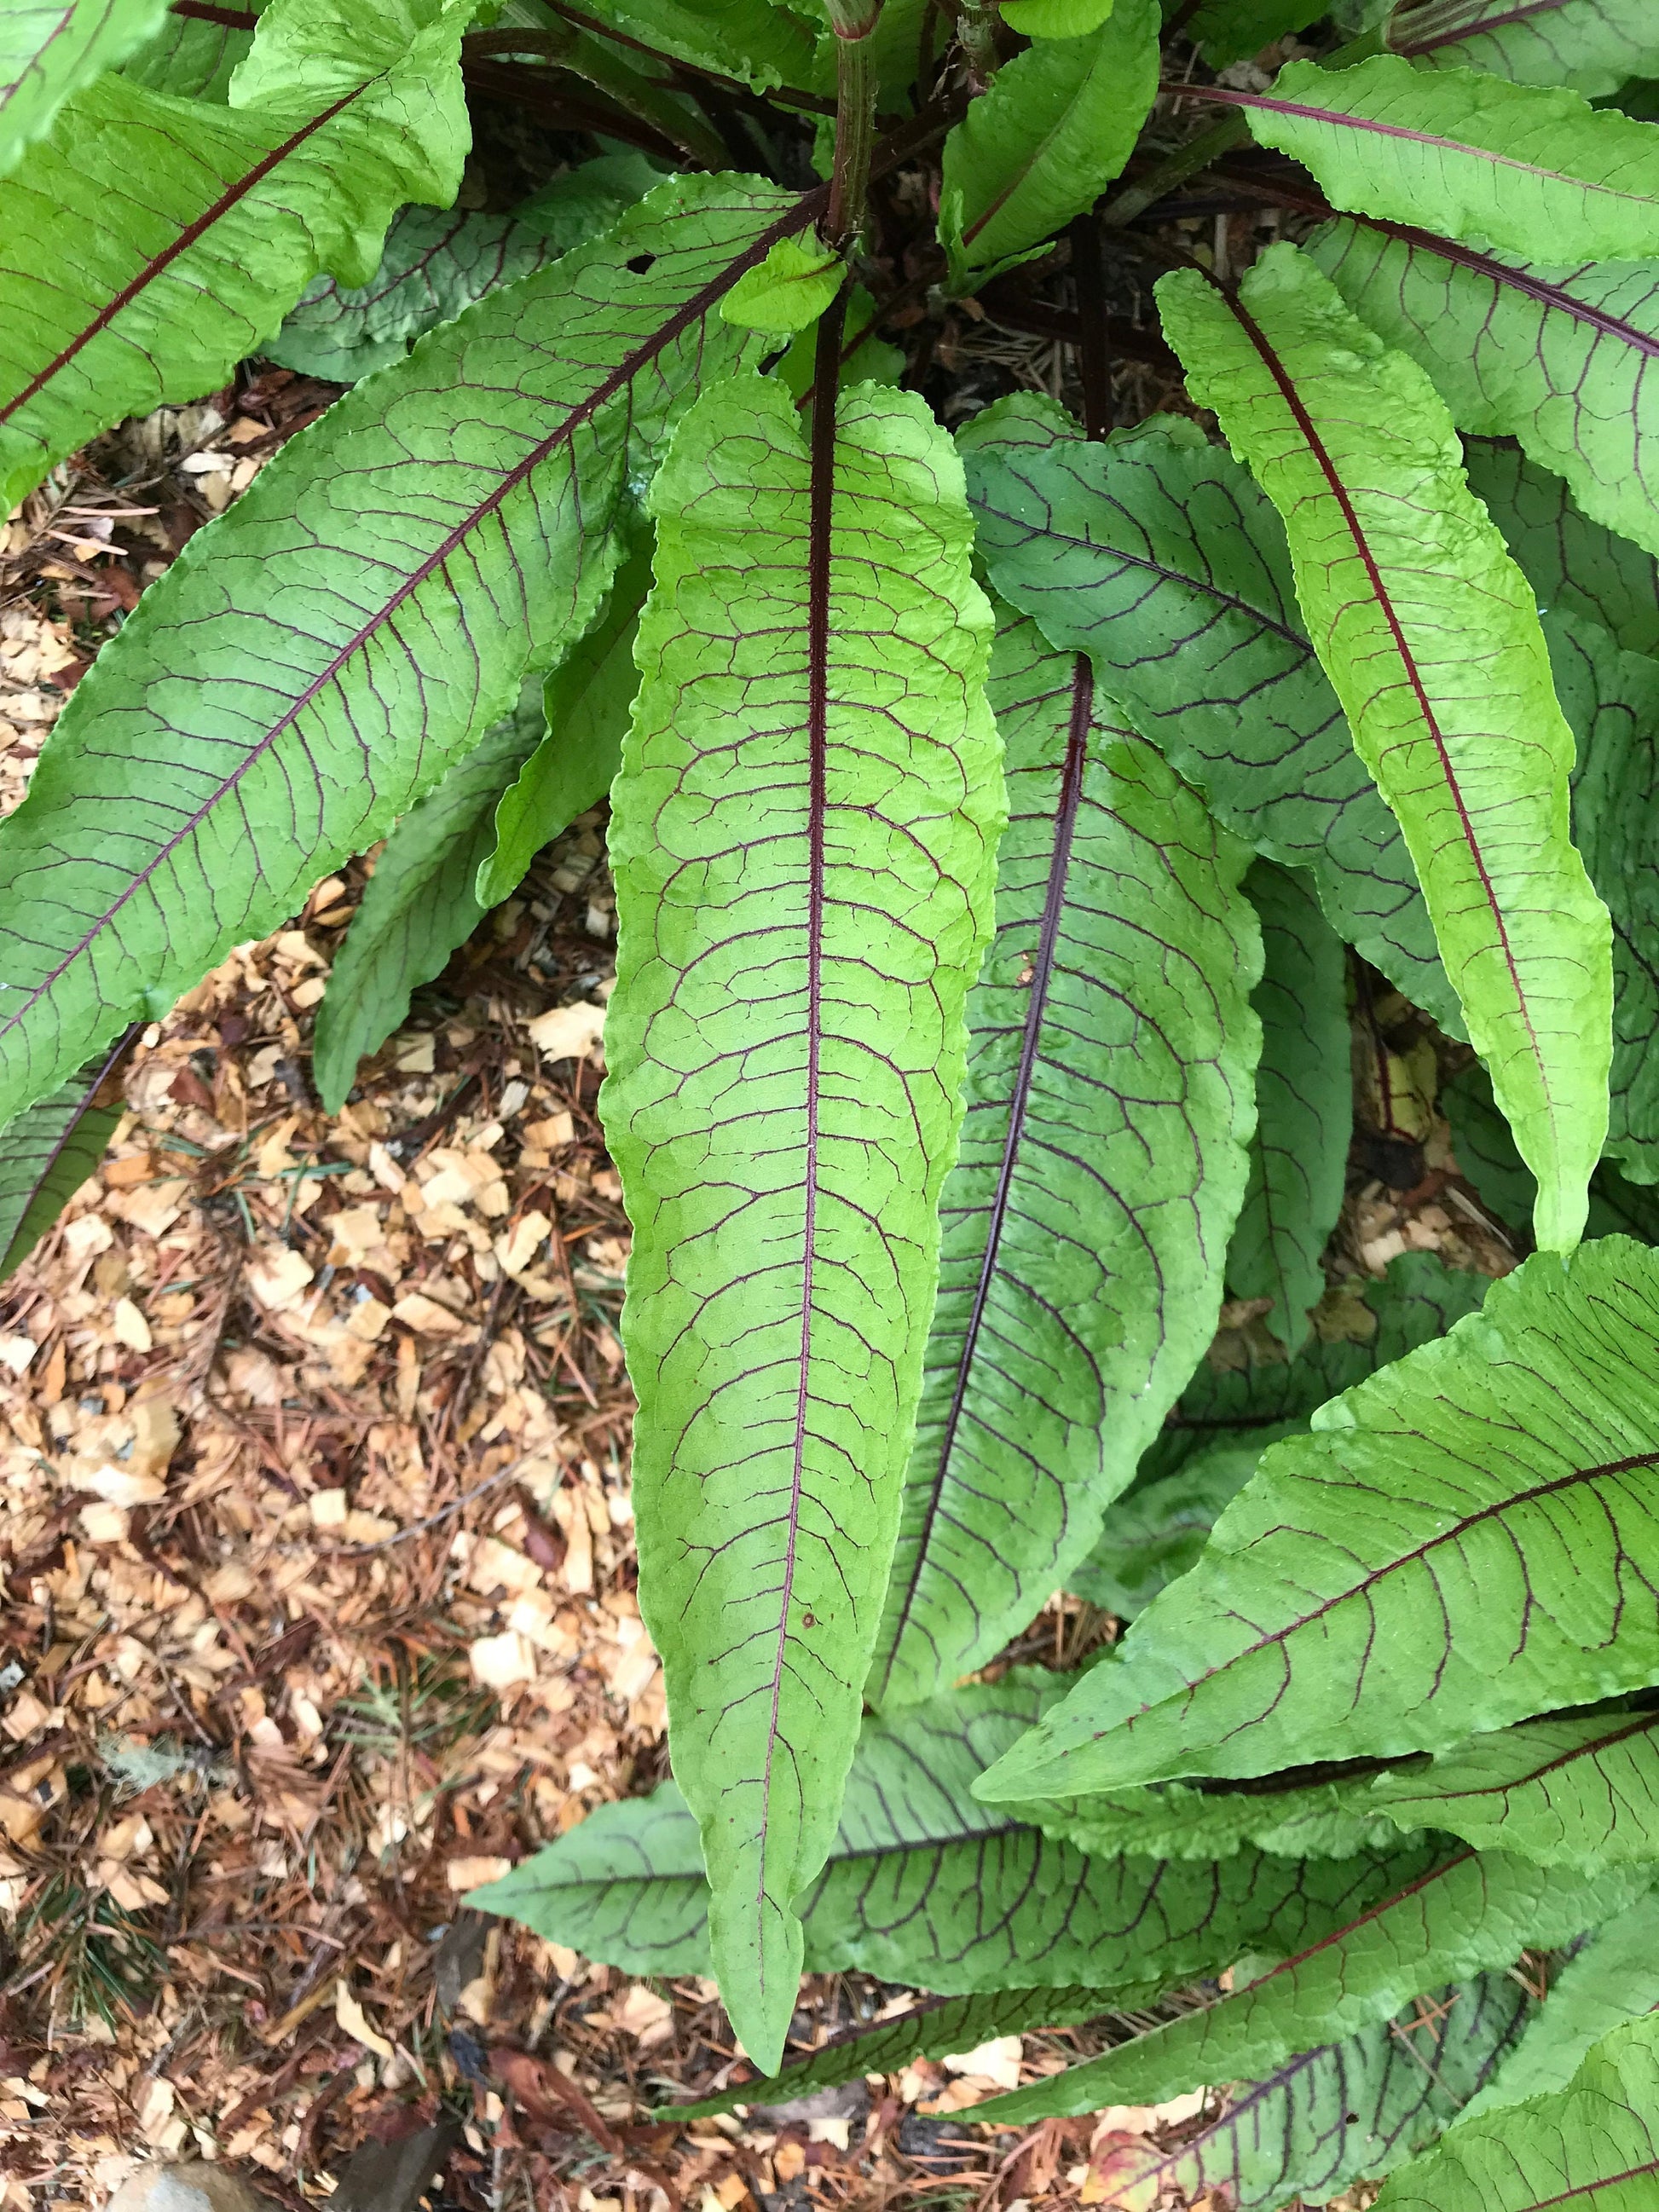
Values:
[(1499, 272), (152, 270), (821, 500), (1053, 905), (1338, 490), (1481, 27), (1338, 120), (1642, 1725), (31, 67), (796, 218), (1413, 1558)]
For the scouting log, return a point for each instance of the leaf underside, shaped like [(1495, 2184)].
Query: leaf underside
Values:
[(1430, 636), (804, 836), (1108, 1095), (365, 610)]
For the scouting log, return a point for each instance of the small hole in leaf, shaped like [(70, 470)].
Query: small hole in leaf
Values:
[(640, 263)]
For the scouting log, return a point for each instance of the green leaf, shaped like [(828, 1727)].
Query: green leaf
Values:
[(929, 2030), (337, 664), (761, 41), (48, 1152), (1450, 1551), (1103, 1162), (1227, 1417), (1055, 18), (804, 836), (1595, 2144), (1612, 1977), (150, 243), (1558, 354), (1055, 127), (1581, 1792), (625, 1886), (1304, 1100), (1233, 30), (1469, 156), (1331, 2116), (190, 59), (1155, 555), (1486, 1155), (1577, 567), (925, 1886), (791, 289), (585, 705), (867, 357), (1461, 1914), (1592, 45), (1430, 636), (420, 904), (1170, 1819), (48, 48), (435, 264)]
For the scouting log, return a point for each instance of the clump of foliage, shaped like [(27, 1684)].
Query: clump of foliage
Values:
[(999, 823)]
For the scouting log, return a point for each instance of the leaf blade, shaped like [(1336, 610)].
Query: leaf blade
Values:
[(1468, 155), (48, 1151), (47, 51), (530, 524), (1111, 1045), (764, 1553), (1431, 640), (150, 243), (1534, 1349)]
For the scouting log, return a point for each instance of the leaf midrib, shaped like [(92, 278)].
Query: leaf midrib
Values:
[(795, 219), (160, 263), (1370, 123), (1081, 723), (1554, 296), (1480, 28), (1642, 1725), (1409, 1558), (1338, 490)]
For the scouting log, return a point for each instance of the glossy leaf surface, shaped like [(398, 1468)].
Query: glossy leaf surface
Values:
[(309, 722), (50, 48), (1430, 636), (804, 836), (1108, 1091), (1056, 125)]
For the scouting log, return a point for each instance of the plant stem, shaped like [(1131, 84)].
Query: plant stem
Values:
[(855, 115), (977, 29), (1175, 169)]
